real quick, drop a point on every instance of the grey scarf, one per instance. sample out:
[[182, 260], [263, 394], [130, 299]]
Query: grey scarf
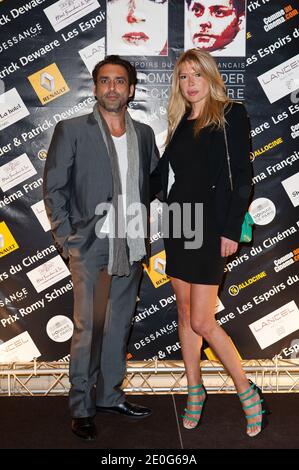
[[123, 250]]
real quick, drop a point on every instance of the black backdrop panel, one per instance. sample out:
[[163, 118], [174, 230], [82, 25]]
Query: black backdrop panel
[[47, 52]]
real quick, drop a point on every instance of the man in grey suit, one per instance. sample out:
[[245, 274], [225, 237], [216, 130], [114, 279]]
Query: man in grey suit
[[98, 165]]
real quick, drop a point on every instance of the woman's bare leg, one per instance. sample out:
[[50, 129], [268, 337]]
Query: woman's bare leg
[[202, 308], [191, 343]]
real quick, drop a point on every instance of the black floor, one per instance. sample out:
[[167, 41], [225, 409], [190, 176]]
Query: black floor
[[43, 423]]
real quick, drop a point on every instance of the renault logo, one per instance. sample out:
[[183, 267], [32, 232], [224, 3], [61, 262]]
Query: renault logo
[[47, 81], [159, 265]]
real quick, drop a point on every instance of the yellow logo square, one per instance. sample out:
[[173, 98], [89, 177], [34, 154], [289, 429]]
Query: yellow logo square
[[7, 241], [48, 83], [156, 269]]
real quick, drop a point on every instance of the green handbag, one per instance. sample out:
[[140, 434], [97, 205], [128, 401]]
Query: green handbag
[[246, 233], [248, 222]]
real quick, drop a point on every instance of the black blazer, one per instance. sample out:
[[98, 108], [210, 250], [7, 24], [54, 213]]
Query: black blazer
[[230, 206]]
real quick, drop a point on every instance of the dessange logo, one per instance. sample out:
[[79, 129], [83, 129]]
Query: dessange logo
[[11, 41], [14, 297]]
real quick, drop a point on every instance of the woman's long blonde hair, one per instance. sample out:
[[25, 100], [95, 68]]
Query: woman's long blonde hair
[[216, 101]]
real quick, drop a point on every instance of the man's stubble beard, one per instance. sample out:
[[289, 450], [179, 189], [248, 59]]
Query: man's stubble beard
[[112, 107]]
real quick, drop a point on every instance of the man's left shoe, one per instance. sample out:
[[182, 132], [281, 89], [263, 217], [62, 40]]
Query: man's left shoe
[[84, 428], [127, 409]]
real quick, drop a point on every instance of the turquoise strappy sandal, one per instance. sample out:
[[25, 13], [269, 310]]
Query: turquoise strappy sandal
[[195, 415], [255, 391]]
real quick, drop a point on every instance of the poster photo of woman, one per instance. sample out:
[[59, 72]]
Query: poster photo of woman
[[137, 27]]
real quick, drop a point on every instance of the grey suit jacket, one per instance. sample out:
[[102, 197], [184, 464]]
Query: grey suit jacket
[[77, 177]]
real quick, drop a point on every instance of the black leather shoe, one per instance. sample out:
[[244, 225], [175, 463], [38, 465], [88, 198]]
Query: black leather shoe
[[127, 409], [84, 428]]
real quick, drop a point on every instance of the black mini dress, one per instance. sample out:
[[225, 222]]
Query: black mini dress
[[188, 157]]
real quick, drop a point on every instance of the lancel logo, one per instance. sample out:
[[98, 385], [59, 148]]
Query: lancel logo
[[281, 73], [281, 80], [272, 321], [48, 83]]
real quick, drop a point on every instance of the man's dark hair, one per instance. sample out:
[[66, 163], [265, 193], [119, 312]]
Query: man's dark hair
[[116, 60], [238, 4]]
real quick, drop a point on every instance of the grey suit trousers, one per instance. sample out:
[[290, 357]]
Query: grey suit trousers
[[103, 309]]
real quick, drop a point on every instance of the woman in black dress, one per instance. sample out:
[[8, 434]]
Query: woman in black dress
[[199, 110]]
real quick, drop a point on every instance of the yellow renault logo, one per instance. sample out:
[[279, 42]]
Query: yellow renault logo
[[48, 83], [156, 269], [7, 241]]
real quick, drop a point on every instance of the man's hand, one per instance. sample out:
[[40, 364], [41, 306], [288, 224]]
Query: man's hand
[[228, 247]]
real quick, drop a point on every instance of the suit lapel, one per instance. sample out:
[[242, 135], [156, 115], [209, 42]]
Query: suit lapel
[[98, 143], [141, 153]]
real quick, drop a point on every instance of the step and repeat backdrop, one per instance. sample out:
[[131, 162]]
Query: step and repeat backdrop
[[47, 52]]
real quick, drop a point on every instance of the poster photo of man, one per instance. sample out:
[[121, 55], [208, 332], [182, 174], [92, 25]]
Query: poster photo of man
[[217, 26], [137, 27]]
